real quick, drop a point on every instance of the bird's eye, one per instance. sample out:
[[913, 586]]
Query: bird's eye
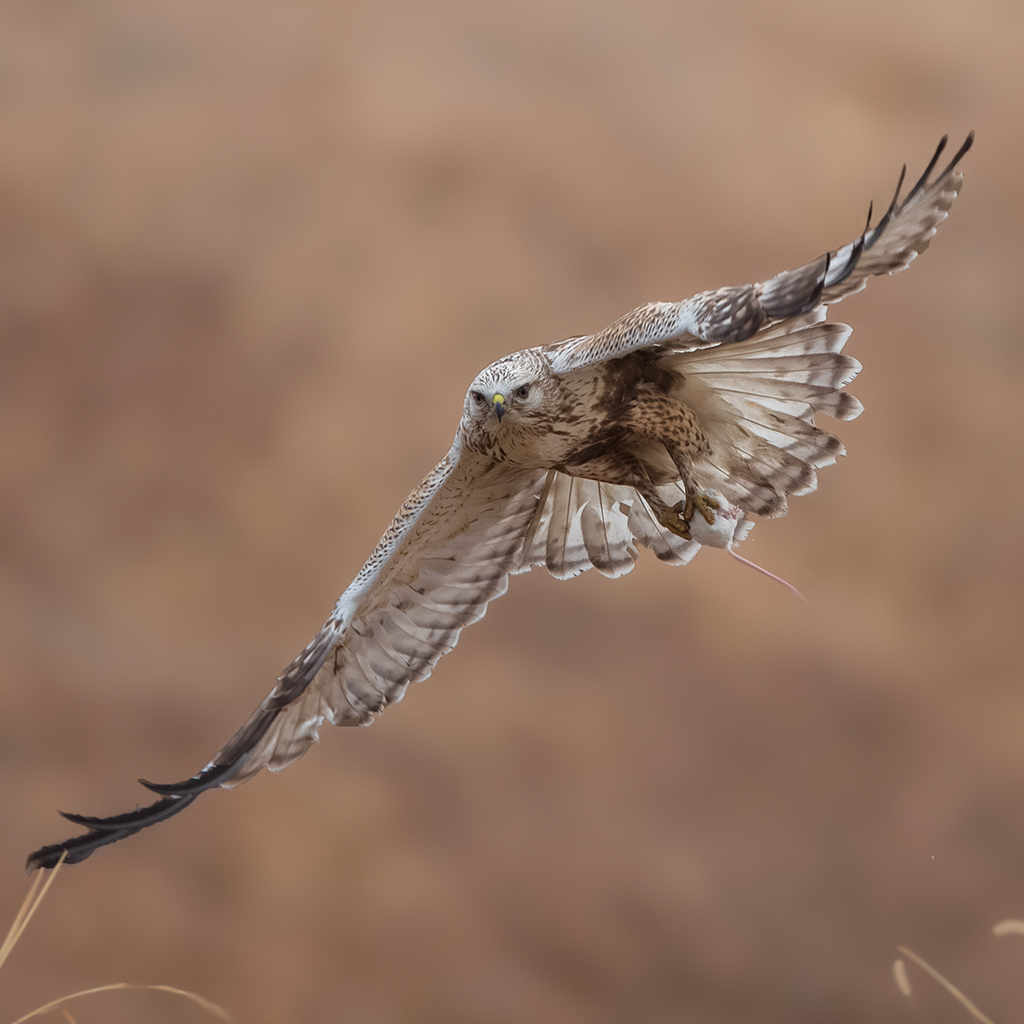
[[523, 391], [477, 397]]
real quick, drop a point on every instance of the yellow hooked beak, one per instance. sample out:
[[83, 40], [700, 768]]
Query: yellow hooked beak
[[498, 404]]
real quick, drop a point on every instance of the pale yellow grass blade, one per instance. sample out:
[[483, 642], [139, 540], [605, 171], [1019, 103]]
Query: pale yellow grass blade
[[37, 890], [212, 1008], [947, 985], [899, 975], [1010, 927]]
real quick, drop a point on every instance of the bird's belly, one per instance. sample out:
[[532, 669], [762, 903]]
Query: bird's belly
[[611, 454], [623, 459]]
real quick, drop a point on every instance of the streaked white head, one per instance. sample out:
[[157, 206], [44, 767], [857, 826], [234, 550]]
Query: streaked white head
[[514, 396]]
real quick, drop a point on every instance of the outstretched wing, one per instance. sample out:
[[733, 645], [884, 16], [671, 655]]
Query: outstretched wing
[[447, 553], [755, 363], [728, 315]]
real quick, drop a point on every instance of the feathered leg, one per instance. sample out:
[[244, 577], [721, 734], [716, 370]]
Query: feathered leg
[[658, 417], [696, 500]]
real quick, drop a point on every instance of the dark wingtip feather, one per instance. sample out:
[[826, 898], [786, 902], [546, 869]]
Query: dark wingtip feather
[[48, 857], [87, 821], [851, 264], [968, 142], [175, 797], [208, 778], [923, 180], [883, 223], [939, 150], [815, 295], [103, 831], [141, 817], [795, 292]]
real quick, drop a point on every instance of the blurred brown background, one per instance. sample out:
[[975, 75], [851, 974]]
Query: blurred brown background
[[252, 254]]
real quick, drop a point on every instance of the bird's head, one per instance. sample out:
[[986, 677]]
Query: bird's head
[[514, 387], [509, 401]]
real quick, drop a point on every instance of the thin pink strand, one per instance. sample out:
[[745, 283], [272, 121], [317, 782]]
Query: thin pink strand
[[770, 575]]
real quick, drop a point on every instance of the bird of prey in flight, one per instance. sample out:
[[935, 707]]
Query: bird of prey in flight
[[665, 430]]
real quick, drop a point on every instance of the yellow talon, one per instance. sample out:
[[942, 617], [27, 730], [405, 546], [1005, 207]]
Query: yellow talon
[[677, 518], [702, 504], [675, 523]]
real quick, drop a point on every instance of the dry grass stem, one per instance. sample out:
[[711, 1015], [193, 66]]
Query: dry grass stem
[[41, 883], [899, 975], [946, 984], [37, 890], [212, 1008], [1010, 927]]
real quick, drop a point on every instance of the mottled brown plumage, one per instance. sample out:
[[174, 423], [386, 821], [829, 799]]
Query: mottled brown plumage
[[664, 430]]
